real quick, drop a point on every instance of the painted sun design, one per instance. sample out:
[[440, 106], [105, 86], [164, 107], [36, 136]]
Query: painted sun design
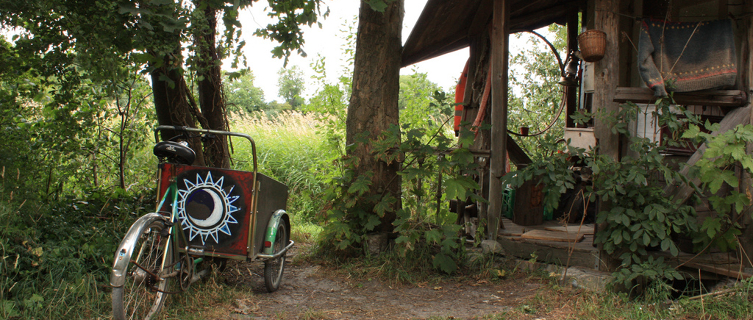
[[205, 209]]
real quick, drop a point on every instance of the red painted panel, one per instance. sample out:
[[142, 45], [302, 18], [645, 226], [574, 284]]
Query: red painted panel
[[213, 206]]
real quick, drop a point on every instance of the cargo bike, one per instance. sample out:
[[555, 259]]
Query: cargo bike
[[204, 213]]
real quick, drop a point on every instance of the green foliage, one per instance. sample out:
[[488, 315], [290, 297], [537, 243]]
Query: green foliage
[[637, 215], [291, 86], [535, 95], [379, 5], [287, 30], [716, 169], [555, 173], [242, 96], [423, 103], [57, 255], [424, 223]]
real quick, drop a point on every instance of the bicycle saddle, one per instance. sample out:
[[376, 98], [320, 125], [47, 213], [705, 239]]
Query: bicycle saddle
[[174, 152]]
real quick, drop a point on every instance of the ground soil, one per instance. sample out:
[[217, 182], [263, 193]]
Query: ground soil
[[319, 291]]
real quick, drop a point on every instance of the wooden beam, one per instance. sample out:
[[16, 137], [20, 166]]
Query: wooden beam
[[746, 82], [571, 93], [553, 236], [732, 271], [720, 98], [606, 75], [517, 155], [480, 23], [499, 67]]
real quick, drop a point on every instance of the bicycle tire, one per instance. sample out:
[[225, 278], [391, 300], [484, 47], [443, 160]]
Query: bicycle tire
[[142, 296], [274, 268]]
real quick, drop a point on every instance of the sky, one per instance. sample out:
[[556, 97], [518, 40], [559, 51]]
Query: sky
[[327, 41]]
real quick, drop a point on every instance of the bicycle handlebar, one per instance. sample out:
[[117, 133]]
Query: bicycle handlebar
[[218, 132]]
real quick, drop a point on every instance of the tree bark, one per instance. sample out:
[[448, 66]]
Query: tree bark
[[211, 99], [171, 103], [374, 100]]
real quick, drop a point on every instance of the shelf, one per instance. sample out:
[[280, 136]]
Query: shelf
[[720, 98]]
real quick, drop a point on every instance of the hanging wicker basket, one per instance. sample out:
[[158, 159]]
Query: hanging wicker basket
[[593, 44]]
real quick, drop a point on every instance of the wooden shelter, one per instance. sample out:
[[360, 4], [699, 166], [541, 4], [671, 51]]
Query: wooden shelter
[[485, 25]]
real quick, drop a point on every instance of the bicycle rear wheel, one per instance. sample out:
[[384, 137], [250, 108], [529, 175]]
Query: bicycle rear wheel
[[274, 268], [147, 278]]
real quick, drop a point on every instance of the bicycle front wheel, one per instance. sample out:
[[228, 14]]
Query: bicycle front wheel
[[146, 279]]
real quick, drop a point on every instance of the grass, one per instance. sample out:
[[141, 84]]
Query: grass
[[556, 302], [290, 150], [202, 299]]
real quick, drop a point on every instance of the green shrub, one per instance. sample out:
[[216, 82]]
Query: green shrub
[[58, 255]]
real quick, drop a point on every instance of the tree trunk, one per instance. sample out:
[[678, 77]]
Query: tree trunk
[[374, 100], [211, 98], [171, 102]]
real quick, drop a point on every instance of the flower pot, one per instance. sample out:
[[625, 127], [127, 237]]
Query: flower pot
[[593, 45]]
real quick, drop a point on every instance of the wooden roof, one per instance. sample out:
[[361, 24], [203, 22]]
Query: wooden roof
[[448, 25]]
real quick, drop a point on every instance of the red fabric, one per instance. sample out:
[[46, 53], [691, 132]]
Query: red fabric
[[460, 96]]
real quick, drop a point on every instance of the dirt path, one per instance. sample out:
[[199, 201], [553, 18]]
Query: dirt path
[[314, 292]]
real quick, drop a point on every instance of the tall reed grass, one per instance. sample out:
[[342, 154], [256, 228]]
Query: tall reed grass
[[289, 149]]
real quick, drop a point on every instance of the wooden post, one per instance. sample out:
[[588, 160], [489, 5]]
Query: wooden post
[[499, 66], [746, 70], [571, 104], [605, 84]]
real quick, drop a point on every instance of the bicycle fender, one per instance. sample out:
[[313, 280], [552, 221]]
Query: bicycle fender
[[271, 233], [122, 255]]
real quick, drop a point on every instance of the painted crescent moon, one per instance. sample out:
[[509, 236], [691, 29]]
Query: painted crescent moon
[[217, 211]]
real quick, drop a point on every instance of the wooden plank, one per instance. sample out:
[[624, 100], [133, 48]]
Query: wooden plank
[[499, 65], [511, 229], [553, 236], [517, 155], [585, 229], [732, 271], [553, 252], [456, 21], [720, 98], [529, 204]]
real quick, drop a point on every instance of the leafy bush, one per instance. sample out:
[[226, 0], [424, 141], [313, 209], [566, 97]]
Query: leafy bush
[[717, 168], [433, 173], [59, 254], [637, 216]]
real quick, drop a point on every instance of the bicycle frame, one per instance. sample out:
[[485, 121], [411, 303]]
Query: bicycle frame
[[202, 212]]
